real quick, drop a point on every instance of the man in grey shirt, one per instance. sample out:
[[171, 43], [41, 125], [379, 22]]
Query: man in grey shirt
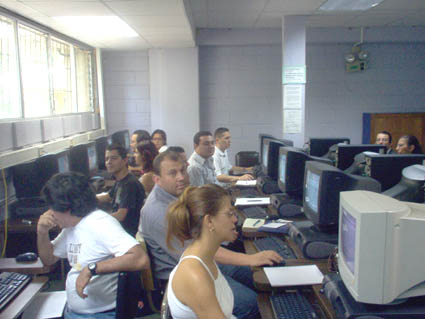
[[171, 178], [201, 163]]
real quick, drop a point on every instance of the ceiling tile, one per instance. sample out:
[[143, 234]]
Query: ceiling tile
[[373, 19], [306, 6], [156, 21], [147, 7], [69, 8]]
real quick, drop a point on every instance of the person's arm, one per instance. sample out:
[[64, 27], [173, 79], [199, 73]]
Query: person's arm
[[104, 198], [230, 179], [194, 287], [134, 259], [267, 257], [120, 214], [44, 246]]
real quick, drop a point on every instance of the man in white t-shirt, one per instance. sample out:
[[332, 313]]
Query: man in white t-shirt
[[94, 242], [221, 160]]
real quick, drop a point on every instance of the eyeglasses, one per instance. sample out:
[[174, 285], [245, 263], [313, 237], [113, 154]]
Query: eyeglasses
[[231, 214]]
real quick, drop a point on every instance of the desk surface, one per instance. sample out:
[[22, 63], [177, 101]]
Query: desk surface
[[18, 305], [31, 268]]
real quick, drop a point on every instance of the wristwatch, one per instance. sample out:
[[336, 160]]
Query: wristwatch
[[92, 267]]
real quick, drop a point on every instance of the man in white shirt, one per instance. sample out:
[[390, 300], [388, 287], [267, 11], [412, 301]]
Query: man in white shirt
[[221, 160], [201, 164], [95, 244]]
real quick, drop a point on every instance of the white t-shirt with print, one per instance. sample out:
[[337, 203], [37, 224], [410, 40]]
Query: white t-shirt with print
[[98, 236]]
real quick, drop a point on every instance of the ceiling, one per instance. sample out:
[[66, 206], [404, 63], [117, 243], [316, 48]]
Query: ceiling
[[172, 23]]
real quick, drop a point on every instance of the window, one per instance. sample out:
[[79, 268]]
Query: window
[[9, 75], [46, 74]]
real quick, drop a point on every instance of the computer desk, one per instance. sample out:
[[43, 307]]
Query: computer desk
[[23, 299]]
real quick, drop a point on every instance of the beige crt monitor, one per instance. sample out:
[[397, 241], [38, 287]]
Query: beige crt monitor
[[381, 247]]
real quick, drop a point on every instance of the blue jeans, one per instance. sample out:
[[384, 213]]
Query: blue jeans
[[241, 282], [101, 315]]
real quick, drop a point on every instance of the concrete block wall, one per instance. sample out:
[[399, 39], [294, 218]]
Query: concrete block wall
[[126, 89], [240, 89], [336, 100]]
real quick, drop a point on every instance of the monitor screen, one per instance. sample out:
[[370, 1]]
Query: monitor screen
[[101, 143], [79, 160], [348, 238], [122, 138], [63, 163], [265, 154], [91, 152], [282, 168], [380, 259], [312, 190]]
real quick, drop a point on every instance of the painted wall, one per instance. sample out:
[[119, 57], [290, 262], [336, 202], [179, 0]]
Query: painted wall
[[240, 89], [126, 90]]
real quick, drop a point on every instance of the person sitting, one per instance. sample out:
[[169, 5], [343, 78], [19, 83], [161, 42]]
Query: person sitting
[[221, 160], [408, 144], [385, 138], [196, 287], [159, 139], [127, 195], [145, 154], [95, 244], [201, 168], [137, 137]]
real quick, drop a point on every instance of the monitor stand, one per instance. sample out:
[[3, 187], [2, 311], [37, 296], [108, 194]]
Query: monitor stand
[[286, 206], [267, 186], [346, 307], [313, 243]]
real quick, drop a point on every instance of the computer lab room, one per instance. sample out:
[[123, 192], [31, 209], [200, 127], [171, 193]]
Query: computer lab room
[[307, 89]]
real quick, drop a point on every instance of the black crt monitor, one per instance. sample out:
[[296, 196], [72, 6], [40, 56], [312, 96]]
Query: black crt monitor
[[319, 146], [79, 159], [122, 138], [345, 153], [291, 170], [387, 168], [322, 185], [263, 148], [109, 139], [101, 143], [273, 158], [92, 155], [51, 164], [411, 186], [63, 161], [27, 180]]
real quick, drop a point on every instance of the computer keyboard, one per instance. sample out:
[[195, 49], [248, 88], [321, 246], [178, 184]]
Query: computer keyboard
[[292, 305], [276, 244], [248, 192], [254, 212], [11, 283]]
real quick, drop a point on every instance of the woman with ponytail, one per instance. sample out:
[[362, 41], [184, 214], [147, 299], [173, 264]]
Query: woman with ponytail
[[196, 287]]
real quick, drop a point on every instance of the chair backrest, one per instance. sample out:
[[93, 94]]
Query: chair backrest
[[147, 276], [247, 158], [128, 294], [165, 310]]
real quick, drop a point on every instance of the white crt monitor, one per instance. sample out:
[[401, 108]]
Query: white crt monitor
[[381, 247]]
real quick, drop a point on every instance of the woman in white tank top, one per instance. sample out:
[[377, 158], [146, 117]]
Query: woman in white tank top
[[196, 287]]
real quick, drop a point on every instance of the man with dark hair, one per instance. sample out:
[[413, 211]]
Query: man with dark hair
[[180, 150], [171, 179], [159, 139], [221, 160], [94, 243], [201, 168], [385, 138], [127, 195], [137, 137]]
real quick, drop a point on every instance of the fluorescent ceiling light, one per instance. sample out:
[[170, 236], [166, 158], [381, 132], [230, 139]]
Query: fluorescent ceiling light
[[100, 27], [349, 5]]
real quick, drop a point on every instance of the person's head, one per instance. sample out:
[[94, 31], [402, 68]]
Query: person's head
[[69, 194], [204, 144], [137, 137], [145, 154], [159, 138], [384, 138], [202, 210], [222, 138], [116, 159], [408, 144], [180, 151], [170, 172]]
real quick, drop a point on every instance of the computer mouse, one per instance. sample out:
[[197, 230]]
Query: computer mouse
[[26, 257]]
